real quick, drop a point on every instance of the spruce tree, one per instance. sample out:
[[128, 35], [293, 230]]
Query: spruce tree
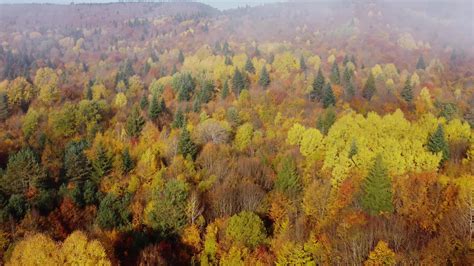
[[179, 119], [335, 75], [144, 101], [76, 164], [318, 85], [102, 165], [127, 162], [377, 189], [186, 146], [407, 92], [264, 79], [225, 90], [326, 120], [421, 63], [353, 150], [346, 60], [249, 66], [349, 90], [181, 57], [303, 66], [228, 61], [3, 106], [437, 143], [369, 88], [238, 82], [328, 98], [135, 123], [155, 109], [346, 76]]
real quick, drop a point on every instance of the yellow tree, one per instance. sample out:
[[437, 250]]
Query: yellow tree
[[78, 250], [37, 249], [46, 80], [381, 255]]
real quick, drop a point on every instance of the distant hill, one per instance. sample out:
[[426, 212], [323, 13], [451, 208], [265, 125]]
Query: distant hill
[[85, 15]]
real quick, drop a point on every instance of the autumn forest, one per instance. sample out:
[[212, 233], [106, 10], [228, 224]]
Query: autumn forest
[[328, 133]]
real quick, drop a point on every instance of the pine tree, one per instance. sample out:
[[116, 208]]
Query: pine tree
[[346, 60], [186, 146], [369, 88], [288, 180], [354, 150], [89, 92], [135, 123], [249, 66], [127, 162], [328, 97], [377, 190], [3, 106], [238, 82], [102, 165], [76, 164], [179, 119], [353, 60], [228, 61], [318, 85], [421, 63], [350, 90], [407, 92], [181, 57], [264, 79], [155, 109], [335, 75], [303, 66], [326, 120], [346, 76], [144, 101], [437, 143], [225, 90]]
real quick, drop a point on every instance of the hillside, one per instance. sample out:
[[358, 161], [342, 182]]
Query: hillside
[[328, 133]]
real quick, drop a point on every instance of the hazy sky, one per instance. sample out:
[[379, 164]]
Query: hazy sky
[[221, 4]]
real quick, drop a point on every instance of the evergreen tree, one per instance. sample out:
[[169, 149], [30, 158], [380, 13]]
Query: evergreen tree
[[346, 76], [225, 90], [76, 164], [328, 98], [135, 123], [3, 106], [350, 90], [207, 91], [346, 60], [23, 171], [353, 60], [197, 104], [89, 92], [288, 180], [184, 85], [238, 82], [318, 85], [186, 146], [354, 150], [181, 57], [335, 75], [326, 120], [144, 101], [102, 165], [179, 119], [437, 143], [303, 66], [228, 61], [114, 212], [407, 92], [421, 63], [377, 189], [127, 162], [155, 108], [264, 79], [369, 88], [249, 66]]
